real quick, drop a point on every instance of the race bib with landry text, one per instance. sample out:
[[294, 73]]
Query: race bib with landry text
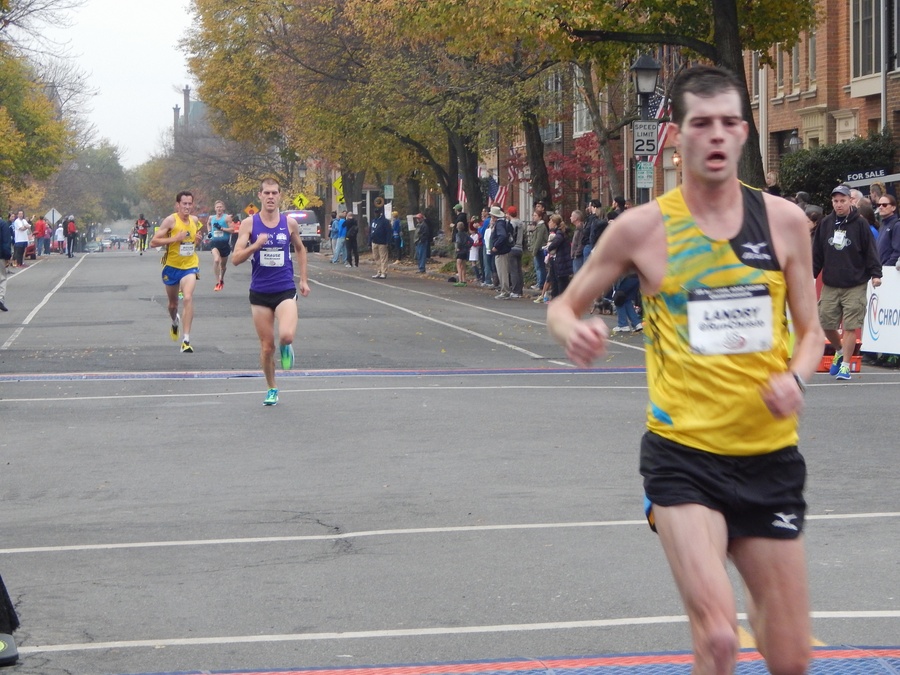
[[730, 319]]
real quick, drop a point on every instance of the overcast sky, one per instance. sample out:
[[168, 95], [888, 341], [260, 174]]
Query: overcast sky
[[128, 50]]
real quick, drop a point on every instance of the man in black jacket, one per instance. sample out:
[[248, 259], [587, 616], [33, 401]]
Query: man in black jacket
[[380, 238], [351, 241], [844, 251], [500, 248]]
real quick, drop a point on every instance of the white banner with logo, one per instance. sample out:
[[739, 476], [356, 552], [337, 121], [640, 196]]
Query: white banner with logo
[[881, 330]]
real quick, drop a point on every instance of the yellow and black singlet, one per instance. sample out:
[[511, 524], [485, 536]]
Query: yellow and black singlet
[[715, 332], [182, 255]]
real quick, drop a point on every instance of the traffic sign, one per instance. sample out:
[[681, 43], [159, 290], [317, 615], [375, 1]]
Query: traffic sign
[[251, 210], [643, 177], [52, 216], [300, 201], [646, 137], [339, 189], [388, 192]]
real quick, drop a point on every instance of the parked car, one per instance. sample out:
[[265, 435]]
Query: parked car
[[310, 228]]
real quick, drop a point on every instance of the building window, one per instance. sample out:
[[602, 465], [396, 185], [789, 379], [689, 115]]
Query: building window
[[795, 68], [865, 37], [552, 131], [581, 117], [754, 77], [811, 60], [779, 70]]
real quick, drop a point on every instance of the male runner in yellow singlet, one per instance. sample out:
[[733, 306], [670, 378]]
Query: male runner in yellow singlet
[[722, 474], [180, 235]]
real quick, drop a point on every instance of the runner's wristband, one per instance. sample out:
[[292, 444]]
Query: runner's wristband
[[800, 383]]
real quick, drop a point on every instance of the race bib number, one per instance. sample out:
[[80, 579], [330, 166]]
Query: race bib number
[[271, 258], [186, 249], [730, 320]]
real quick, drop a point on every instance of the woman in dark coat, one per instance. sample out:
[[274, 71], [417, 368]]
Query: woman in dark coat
[[560, 249]]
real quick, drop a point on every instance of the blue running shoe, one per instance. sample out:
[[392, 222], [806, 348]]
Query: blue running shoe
[[843, 372], [836, 365], [287, 357], [271, 397]]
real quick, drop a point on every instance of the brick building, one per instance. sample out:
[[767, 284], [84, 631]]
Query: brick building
[[828, 88]]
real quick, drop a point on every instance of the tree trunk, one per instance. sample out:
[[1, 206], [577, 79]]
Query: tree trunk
[[534, 145], [728, 45], [353, 184], [609, 161]]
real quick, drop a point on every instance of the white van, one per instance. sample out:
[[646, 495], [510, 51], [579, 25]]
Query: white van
[[310, 228]]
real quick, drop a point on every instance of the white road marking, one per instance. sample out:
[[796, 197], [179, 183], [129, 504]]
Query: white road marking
[[255, 392], [32, 313], [379, 533], [445, 324], [475, 307], [413, 632]]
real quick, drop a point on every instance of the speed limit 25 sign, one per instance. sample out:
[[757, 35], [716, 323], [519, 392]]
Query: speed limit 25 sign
[[646, 137]]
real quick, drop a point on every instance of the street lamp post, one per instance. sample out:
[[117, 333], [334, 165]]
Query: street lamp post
[[646, 71]]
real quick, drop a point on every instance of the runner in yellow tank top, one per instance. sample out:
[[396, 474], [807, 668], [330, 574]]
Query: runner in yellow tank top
[[180, 235], [182, 253], [716, 331], [723, 477]]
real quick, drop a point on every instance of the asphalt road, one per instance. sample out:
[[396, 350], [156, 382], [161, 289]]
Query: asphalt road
[[436, 484]]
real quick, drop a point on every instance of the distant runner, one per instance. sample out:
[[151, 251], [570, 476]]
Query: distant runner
[[180, 234], [141, 227], [219, 230]]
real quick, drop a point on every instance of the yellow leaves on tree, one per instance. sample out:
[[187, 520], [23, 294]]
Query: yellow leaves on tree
[[32, 139]]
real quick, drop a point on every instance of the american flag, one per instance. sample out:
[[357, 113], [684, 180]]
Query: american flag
[[493, 187], [661, 107], [500, 198], [512, 174]]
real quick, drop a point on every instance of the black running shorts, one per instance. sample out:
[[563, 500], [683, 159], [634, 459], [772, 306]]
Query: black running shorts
[[759, 495], [221, 245], [272, 300]]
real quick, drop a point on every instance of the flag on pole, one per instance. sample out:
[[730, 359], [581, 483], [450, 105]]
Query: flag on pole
[[493, 187], [661, 107]]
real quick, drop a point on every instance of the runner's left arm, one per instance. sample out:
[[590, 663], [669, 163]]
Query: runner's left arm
[[300, 250]]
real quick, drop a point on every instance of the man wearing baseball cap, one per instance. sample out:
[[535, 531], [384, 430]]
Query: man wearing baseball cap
[[844, 251]]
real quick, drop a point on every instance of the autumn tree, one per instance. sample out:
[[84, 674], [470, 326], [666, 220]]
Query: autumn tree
[[92, 185], [719, 31], [32, 139]]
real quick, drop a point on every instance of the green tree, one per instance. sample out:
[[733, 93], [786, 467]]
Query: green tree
[[91, 185], [32, 139]]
